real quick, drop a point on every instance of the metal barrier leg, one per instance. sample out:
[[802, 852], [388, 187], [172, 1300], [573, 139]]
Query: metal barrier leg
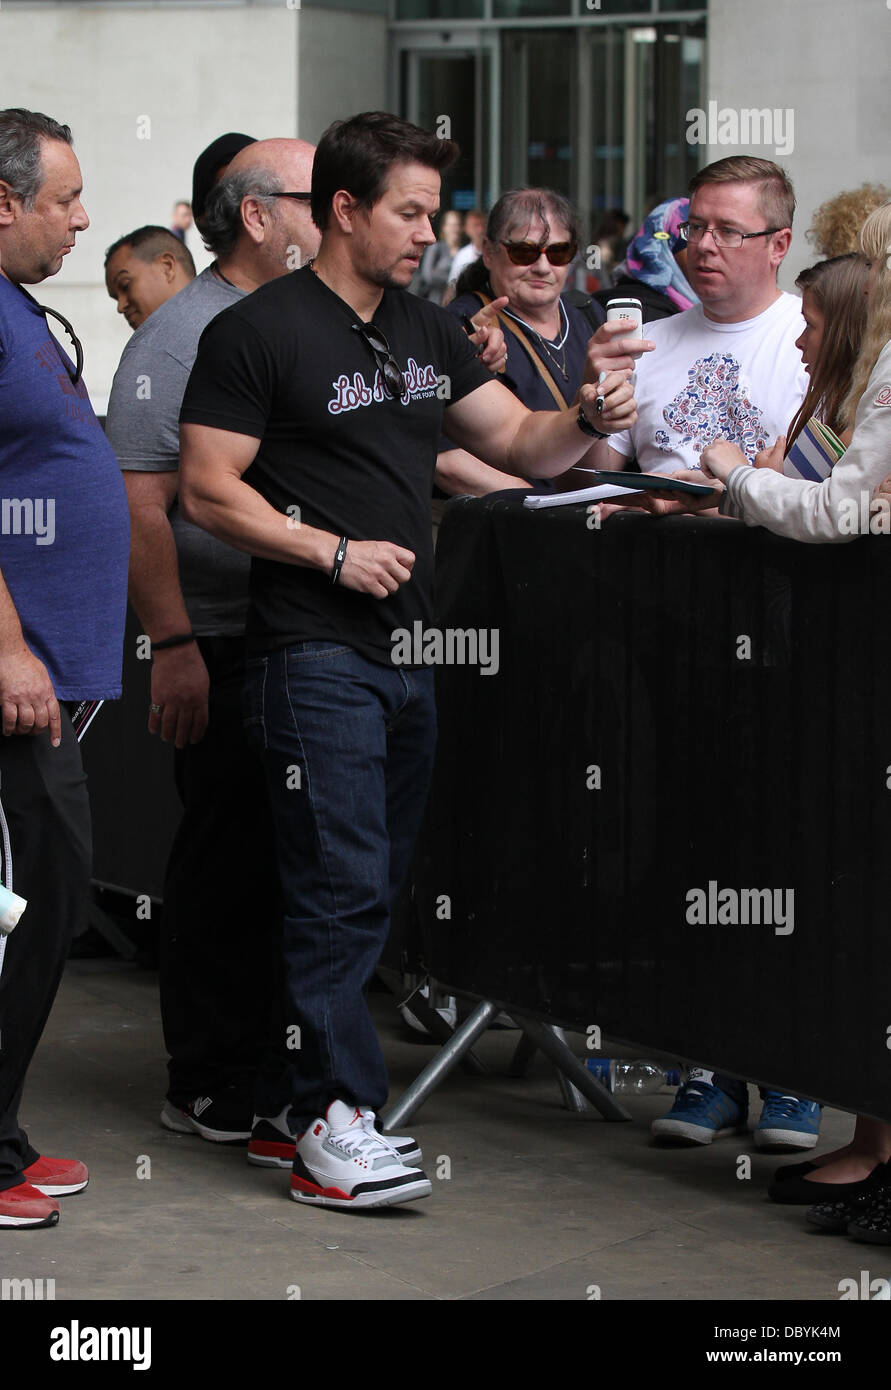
[[461, 1041], [543, 1035], [572, 1098], [435, 1024], [524, 1051]]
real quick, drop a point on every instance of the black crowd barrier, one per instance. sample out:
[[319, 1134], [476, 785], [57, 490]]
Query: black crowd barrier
[[685, 714]]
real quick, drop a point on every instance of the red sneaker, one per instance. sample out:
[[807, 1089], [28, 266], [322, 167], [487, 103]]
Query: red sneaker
[[57, 1177], [25, 1206]]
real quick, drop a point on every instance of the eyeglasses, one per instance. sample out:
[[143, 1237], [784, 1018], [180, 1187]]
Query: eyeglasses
[[722, 236], [527, 252], [301, 197], [387, 365], [78, 348]]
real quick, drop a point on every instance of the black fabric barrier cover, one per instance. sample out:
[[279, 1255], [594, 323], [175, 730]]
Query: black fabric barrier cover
[[734, 691]]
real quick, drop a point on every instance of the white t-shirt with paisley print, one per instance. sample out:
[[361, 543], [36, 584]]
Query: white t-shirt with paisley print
[[706, 381]]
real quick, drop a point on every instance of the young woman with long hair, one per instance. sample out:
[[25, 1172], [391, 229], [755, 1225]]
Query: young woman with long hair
[[833, 303], [850, 1187]]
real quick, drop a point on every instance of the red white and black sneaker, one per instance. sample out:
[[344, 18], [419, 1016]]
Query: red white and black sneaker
[[57, 1177], [339, 1162], [25, 1206], [271, 1144], [402, 1145], [220, 1119]]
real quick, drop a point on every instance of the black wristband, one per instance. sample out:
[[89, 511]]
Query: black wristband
[[179, 640], [339, 558], [587, 428]]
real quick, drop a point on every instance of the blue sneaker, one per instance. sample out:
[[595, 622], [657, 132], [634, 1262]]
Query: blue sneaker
[[787, 1122], [701, 1113]]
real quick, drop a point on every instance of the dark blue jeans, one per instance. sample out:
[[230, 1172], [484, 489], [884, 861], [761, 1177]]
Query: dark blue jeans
[[222, 1006], [347, 746]]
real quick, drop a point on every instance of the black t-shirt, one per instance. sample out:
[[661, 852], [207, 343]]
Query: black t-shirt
[[285, 365]]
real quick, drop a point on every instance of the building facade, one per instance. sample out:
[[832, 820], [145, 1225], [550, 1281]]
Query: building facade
[[592, 97]]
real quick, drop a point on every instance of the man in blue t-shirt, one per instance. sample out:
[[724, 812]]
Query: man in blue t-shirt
[[64, 542]]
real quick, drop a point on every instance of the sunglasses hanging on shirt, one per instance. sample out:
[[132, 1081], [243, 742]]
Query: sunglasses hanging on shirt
[[387, 365], [78, 347]]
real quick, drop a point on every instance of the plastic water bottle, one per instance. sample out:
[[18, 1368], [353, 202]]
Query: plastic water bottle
[[633, 1078]]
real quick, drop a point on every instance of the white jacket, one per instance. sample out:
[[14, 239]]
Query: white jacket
[[838, 508]]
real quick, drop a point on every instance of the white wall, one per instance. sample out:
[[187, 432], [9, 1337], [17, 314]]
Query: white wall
[[267, 70], [830, 64], [342, 66], [195, 73]]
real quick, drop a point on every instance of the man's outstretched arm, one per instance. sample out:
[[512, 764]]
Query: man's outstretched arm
[[494, 426]]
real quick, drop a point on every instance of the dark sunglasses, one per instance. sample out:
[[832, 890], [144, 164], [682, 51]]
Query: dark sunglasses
[[78, 348], [389, 368], [527, 253], [301, 197]]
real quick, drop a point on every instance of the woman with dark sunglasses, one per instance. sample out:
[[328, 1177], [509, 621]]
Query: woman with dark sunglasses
[[530, 245]]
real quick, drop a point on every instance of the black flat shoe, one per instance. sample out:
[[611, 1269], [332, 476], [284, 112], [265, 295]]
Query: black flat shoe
[[798, 1192], [837, 1215], [792, 1170]]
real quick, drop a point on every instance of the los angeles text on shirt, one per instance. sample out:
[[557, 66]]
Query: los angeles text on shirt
[[422, 382]]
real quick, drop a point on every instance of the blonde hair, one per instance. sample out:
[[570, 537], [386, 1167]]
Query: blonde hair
[[836, 224], [875, 240]]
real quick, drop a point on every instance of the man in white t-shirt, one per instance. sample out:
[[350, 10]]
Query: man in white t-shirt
[[727, 368]]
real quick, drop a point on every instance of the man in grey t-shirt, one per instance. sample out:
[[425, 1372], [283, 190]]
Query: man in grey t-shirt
[[144, 431], [220, 951]]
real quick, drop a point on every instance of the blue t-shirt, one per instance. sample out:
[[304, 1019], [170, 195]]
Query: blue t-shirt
[[64, 522]]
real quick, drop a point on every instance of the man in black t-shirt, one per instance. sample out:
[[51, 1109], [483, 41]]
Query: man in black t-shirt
[[309, 431]]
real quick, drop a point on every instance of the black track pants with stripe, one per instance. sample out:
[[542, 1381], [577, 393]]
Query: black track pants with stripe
[[46, 848]]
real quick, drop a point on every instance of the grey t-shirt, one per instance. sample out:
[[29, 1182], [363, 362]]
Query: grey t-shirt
[[143, 428]]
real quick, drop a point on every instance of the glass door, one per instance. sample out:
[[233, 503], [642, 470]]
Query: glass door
[[664, 78], [540, 110], [448, 85], [596, 111]]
